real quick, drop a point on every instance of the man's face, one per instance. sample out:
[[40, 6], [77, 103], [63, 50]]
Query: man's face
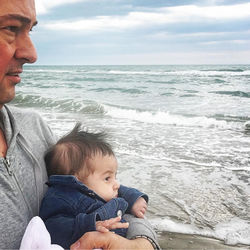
[[17, 17]]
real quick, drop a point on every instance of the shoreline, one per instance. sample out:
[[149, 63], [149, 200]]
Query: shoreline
[[179, 241]]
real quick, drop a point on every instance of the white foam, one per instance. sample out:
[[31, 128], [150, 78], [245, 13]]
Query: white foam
[[161, 117], [33, 70], [171, 226], [236, 231], [246, 168], [145, 72], [174, 73], [211, 164]]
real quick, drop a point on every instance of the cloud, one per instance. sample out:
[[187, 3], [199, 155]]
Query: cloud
[[222, 12], [44, 6], [180, 57], [160, 16], [205, 35], [240, 42]]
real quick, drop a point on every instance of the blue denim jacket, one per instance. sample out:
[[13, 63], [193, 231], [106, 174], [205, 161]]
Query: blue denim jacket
[[69, 209]]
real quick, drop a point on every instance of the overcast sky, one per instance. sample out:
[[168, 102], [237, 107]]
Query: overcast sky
[[104, 32]]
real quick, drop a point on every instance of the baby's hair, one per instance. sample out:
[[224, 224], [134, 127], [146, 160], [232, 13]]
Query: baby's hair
[[68, 156]]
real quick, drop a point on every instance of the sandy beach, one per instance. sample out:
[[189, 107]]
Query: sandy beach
[[177, 241]]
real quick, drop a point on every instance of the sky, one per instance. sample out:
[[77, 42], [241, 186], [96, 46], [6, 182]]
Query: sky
[[121, 32]]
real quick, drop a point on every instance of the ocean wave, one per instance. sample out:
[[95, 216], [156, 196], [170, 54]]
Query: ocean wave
[[65, 105], [167, 94], [96, 79], [225, 70], [212, 73], [39, 70], [247, 125], [122, 90], [163, 158], [167, 118], [174, 72], [135, 71], [120, 72], [246, 168], [234, 232], [233, 93], [232, 118], [219, 81], [188, 95], [119, 112]]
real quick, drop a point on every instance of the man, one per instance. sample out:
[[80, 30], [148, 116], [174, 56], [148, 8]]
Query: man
[[24, 137]]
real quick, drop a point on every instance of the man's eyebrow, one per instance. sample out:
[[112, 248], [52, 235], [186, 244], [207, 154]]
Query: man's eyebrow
[[20, 18]]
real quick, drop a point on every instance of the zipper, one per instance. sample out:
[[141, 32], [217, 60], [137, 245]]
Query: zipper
[[10, 172], [7, 165]]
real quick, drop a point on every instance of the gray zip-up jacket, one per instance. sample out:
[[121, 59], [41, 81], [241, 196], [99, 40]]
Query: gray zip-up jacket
[[22, 172]]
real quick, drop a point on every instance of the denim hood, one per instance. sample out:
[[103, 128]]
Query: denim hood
[[70, 181]]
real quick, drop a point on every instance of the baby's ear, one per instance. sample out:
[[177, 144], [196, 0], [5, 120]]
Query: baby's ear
[[36, 236]]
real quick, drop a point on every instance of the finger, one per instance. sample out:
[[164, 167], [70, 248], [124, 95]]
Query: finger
[[76, 245], [119, 225], [140, 214], [113, 220], [108, 223], [101, 229]]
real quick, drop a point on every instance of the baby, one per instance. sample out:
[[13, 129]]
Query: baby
[[84, 194]]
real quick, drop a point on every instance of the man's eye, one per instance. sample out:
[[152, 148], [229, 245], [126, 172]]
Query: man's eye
[[13, 29]]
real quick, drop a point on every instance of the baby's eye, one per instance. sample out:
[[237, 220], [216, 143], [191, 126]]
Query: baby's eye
[[107, 178]]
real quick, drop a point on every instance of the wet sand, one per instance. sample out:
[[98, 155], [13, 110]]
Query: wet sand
[[177, 241]]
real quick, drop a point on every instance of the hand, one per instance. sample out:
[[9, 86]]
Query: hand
[[109, 241], [139, 208], [113, 223]]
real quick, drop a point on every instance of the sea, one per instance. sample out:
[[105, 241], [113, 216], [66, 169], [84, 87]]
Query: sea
[[181, 134]]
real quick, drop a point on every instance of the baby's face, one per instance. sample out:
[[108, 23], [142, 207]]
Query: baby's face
[[103, 180]]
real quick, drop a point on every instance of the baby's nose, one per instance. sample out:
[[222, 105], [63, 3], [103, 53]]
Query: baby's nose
[[116, 185]]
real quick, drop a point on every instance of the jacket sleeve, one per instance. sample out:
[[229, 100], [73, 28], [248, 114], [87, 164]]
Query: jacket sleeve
[[110, 209], [65, 230], [141, 227], [66, 227], [63, 223], [131, 195]]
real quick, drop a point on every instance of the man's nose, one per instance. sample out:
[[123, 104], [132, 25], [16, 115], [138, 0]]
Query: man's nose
[[25, 49]]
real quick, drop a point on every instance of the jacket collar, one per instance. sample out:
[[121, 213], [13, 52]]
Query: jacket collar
[[68, 180], [11, 129], [72, 182]]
